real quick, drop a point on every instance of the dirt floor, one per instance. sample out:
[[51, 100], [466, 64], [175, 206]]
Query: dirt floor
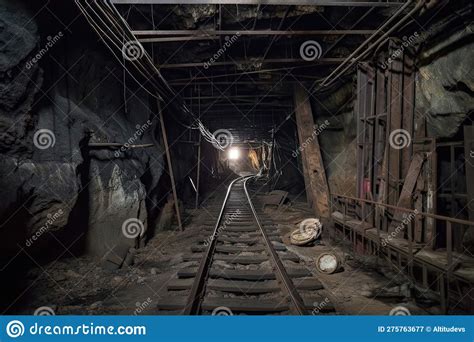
[[82, 286]]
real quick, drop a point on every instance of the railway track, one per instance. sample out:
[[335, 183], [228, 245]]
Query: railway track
[[244, 268]]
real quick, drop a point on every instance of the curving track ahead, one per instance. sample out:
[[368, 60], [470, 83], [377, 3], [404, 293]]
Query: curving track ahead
[[245, 268]]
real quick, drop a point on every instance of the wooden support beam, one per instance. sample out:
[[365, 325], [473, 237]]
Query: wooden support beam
[[315, 175], [198, 172], [469, 156], [212, 34], [170, 165], [315, 63], [406, 198]]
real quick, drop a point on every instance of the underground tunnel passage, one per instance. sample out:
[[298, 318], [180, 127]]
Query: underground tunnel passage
[[236, 157]]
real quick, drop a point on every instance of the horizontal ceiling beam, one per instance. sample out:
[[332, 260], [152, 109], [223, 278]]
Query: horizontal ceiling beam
[[211, 33], [316, 62], [191, 83], [350, 3], [223, 96]]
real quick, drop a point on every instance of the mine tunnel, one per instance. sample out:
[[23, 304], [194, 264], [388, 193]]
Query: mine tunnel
[[236, 157]]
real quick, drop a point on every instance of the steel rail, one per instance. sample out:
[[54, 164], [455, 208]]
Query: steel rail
[[193, 302], [287, 282]]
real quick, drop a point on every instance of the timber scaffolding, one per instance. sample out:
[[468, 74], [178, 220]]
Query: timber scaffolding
[[394, 213]]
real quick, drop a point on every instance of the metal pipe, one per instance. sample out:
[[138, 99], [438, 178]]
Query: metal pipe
[[118, 145], [337, 73], [406, 210]]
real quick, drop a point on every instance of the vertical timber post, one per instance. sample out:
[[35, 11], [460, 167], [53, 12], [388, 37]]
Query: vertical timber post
[[315, 175], [170, 165], [198, 172]]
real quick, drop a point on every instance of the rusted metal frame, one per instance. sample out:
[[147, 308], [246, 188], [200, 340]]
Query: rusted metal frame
[[285, 279], [408, 211], [365, 134], [380, 113], [197, 291], [449, 251], [469, 164], [431, 200], [358, 110], [395, 89], [408, 108], [170, 165]]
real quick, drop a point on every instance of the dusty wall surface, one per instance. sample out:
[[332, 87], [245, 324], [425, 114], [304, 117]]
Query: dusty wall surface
[[59, 91], [445, 84], [338, 139]]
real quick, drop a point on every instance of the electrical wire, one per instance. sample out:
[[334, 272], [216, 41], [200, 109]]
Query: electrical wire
[[115, 32]]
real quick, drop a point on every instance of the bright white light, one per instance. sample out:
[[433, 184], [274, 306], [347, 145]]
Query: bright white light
[[234, 153]]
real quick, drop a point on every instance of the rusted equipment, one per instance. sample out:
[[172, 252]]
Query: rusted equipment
[[329, 263], [309, 230], [403, 252], [275, 197]]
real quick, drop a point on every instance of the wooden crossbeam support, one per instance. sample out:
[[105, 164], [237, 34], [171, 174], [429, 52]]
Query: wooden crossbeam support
[[315, 63], [350, 3], [406, 195], [315, 176], [170, 165], [212, 34]]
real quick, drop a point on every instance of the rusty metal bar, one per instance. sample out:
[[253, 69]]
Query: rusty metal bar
[[411, 211]]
